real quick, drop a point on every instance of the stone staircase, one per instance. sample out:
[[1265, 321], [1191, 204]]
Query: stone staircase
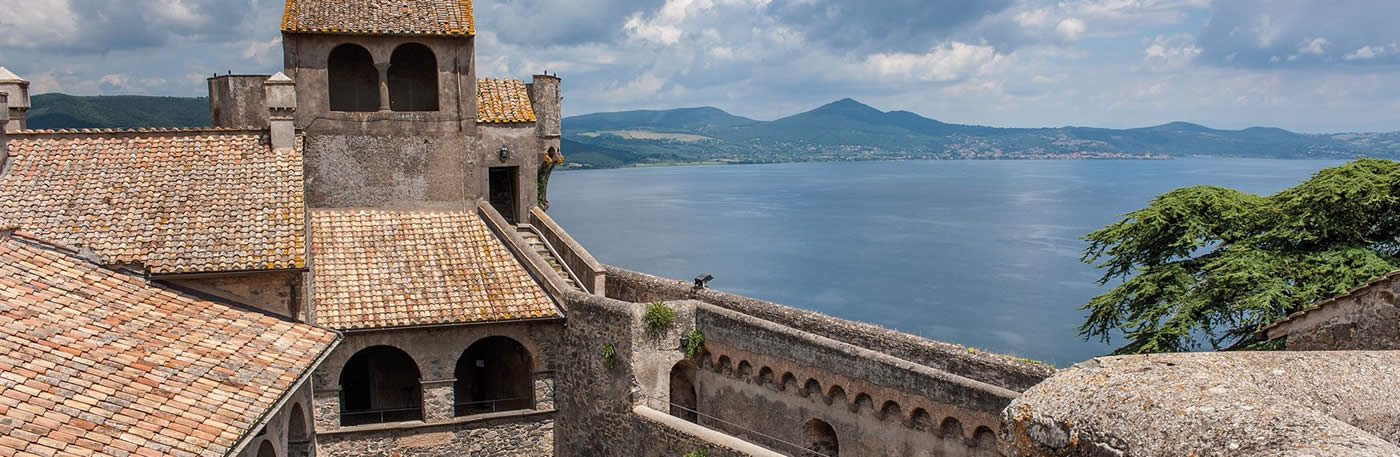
[[544, 250]]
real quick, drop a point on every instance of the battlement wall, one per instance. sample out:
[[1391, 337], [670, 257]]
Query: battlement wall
[[994, 369]]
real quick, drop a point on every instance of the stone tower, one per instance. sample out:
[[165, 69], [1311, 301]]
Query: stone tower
[[18, 90]]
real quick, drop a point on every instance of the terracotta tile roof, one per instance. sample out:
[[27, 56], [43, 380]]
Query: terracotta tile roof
[[96, 362], [173, 201], [377, 269], [380, 17], [503, 101]]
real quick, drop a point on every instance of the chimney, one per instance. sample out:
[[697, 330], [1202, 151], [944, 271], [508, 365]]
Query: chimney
[[18, 89], [545, 100], [281, 96], [4, 118]]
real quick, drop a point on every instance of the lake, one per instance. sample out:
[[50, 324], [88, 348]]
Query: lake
[[980, 253]]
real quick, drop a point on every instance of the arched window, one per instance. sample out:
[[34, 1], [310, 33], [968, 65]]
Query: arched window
[[493, 375], [820, 439], [413, 79], [380, 384], [685, 401], [298, 434], [352, 79], [267, 449]]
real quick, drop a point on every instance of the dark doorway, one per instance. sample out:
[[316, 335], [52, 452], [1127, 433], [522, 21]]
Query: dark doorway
[[821, 439], [685, 402], [503, 189], [413, 84], [380, 384], [493, 375]]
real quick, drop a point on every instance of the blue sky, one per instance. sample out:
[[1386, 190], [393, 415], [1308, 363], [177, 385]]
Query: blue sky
[[1312, 66]]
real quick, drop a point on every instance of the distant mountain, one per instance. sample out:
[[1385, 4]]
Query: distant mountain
[[849, 130], [61, 111]]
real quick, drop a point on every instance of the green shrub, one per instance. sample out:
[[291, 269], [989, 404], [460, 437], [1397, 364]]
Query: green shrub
[[694, 344], [659, 317], [696, 453], [609, 354]]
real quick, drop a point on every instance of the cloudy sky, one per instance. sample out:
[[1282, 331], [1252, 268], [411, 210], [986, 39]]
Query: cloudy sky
[[1314, 66]]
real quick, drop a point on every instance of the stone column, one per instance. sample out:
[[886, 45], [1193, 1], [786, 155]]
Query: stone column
[[544, 391], [438, 400], [383, 85], [326, 409]]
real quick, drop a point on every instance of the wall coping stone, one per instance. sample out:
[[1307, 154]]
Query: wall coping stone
[[705, 434], [416, 425]]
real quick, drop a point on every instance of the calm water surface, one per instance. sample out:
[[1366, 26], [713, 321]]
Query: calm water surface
[[981, 253]]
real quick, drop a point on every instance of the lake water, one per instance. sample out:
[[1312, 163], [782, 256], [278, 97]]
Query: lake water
[[981, 253]]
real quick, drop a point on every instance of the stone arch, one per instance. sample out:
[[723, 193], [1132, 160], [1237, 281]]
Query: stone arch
[[267, 449], [951, 429], [765, 377], [811, 387], [788, 382], [413, 78], [352, 80], [921, 420], [985, 438], [836, 396], [685, 399], [493, 374], [380, 384], [745, 371], [298, 434], [891, 410], [725, 366], [820, 439], [863, 402]]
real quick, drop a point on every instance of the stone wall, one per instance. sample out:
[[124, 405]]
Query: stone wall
[[994, 369], [275, 292], [396, 172], [238, 101], [764, 378], [508, 435], [758, 384], [1366, 318]]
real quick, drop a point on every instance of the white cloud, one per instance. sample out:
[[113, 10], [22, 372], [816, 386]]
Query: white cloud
[[1369, 52], [1171, 51], [946, 62], [1313, 46], [1070, 29]]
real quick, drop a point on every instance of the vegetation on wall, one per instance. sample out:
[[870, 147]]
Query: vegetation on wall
[[696, 453], [693, 344], [659, 317], [609, 354], [1213, 266]]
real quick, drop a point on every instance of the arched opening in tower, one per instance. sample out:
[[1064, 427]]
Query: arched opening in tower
[[298, 434], [685, 401], [352, 79], [820, 439], [380, 384], [413, 79], [267, 449], [493, 374]]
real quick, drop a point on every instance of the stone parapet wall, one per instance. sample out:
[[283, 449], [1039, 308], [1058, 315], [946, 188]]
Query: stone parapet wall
[[986, 367], [528, 434]]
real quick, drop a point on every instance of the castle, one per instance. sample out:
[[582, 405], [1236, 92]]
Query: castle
[[355, 260]]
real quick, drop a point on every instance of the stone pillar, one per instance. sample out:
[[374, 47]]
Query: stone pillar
[[280, 93], [439, 400], [326, 409], [383, 85], [544, 391]]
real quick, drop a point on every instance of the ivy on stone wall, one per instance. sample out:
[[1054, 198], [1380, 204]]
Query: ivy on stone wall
[[609, 354], [696, 453], [693, 344]]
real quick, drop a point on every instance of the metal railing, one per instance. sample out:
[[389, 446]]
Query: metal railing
[[491, 406], [379, 416], [802, 451]]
